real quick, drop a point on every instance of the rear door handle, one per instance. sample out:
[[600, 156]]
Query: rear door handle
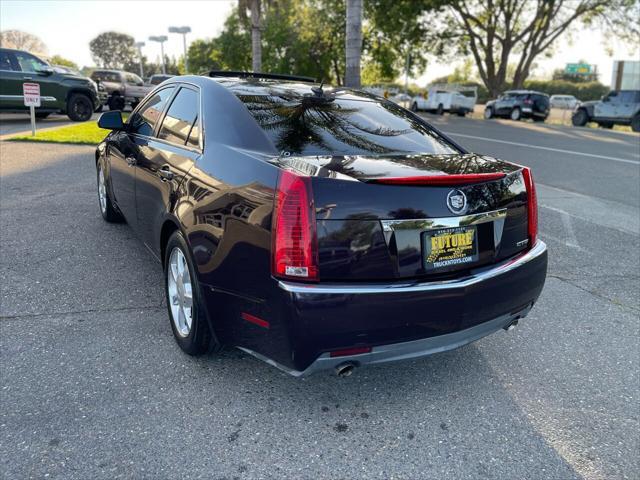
[[165, 173], [131, 161]]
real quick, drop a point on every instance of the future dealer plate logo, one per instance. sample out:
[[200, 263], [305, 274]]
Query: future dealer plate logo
[[457, 202]]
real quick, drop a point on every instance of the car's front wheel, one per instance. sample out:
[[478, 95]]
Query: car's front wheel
[[184, 299], [108, 211], [580, 118], [488, 113], [79, 108]]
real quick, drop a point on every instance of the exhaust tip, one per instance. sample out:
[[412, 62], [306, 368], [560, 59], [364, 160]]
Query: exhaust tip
[[511, 326], [345, 369]]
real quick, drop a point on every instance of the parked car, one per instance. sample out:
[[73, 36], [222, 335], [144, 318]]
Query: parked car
[[447, 98], [123, 88], [317, 228], [565, 102], [158, 79], [518, 104], [68, 93], [616, 108]]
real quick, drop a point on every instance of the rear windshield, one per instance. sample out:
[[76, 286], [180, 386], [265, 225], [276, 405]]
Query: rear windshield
[[349, 125]]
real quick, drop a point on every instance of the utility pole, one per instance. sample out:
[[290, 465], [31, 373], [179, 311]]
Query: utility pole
[[183, 31], [160, 39], [139, 46]]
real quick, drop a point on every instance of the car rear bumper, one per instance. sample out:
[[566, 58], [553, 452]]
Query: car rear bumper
[[408, 320]]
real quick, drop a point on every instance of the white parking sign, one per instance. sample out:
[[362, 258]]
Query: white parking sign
[[31, 93]]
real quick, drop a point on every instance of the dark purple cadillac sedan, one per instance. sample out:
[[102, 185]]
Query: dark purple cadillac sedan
[[318, 228]]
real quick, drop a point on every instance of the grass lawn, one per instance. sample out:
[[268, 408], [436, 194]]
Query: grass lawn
[[86, 133]]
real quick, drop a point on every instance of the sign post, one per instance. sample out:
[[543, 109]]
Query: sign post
[[31, 95]]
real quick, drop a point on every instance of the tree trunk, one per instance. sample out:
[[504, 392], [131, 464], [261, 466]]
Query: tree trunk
[[353, 43], [256, 40]]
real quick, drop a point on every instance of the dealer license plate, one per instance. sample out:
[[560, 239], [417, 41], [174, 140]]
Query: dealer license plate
[[450, 247]]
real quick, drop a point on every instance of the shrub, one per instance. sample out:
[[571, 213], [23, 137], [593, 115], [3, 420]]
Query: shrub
[[583, 91]]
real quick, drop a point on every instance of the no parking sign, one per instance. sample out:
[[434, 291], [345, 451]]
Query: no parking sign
[[31, 95]]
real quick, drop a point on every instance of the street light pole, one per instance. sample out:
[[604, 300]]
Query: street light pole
[[183, 31], [139, 46], [160, 39]]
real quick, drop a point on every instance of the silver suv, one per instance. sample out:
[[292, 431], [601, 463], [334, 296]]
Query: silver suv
[[621, 107]]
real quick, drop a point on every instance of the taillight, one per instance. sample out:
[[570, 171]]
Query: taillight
[[294, 249], [532, 205]]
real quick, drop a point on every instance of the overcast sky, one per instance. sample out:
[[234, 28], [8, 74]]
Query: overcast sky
[[67, 27]]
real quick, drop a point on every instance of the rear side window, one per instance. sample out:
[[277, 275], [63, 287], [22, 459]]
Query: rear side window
[[180, 124], [8, 62], [349, 125], [144, 120]]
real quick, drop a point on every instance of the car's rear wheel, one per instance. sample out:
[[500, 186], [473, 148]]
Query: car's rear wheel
[[440, 110], [488, 113], [79, 108], [414, 107], [580, 118], [108, 211], [516, 115], [184, 299], [116, 102], [635, 123]]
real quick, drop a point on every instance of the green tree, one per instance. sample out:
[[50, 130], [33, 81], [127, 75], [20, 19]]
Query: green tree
[[113, 50], [22, 41], [498, 32], [59, 60]]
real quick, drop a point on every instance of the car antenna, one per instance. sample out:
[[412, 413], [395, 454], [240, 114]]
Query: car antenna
[[318, 90]]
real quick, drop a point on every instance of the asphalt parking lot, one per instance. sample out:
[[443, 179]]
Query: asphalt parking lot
[[93, 385]]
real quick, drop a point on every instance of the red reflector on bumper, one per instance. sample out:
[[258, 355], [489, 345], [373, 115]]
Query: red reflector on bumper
[[350, 351], [255, 320], [440, 180]]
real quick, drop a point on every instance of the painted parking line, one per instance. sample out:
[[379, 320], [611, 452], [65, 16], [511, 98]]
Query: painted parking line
[[558, 150]]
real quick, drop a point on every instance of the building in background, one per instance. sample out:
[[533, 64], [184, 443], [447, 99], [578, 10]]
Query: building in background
[[626, 75]]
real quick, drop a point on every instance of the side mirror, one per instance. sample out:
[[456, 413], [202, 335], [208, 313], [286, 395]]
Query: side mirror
[[46, 71], [111, 121]]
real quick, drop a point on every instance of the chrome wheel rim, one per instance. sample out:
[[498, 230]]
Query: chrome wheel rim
[[515, 115], [487, 114], [180, 292], [102, 191]]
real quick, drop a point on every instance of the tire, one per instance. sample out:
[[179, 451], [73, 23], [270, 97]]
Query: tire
[[42, 115], [580, 118], [488, 113], [179, 271], [607, 125], [461, 113], [108, 211], [116, 102], [440, 110], [635, 123], [79, 107], [515, 115], [539, 119], [414, 107]]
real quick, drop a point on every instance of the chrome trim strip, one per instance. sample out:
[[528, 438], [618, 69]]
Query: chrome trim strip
[[444, 222], [20, 97], [350, 289]]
